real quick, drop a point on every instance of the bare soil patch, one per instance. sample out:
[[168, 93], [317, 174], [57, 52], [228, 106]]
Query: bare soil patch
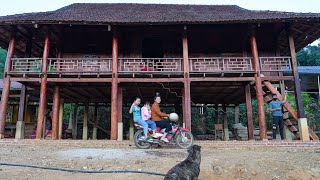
[[228, 163]]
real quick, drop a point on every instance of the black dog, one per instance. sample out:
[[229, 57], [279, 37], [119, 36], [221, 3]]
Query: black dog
[[188, 169]]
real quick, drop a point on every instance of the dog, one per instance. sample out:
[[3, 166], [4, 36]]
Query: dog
[[188, 169]]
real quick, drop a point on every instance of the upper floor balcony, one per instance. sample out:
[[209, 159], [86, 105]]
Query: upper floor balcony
[[147, 66]]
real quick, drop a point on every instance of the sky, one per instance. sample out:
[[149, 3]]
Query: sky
[[9, 7]]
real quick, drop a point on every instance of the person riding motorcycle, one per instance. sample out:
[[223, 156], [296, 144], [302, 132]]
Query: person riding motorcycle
[[158, 117]]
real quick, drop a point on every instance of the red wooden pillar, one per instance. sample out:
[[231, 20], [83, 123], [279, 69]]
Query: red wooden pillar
[[43, 89], [259, 92], [187, 94], [55, 113], [114, 87], [297, 86], [249, 112], [6, 86]]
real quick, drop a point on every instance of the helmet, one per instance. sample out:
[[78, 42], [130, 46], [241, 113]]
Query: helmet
[[173, 117]]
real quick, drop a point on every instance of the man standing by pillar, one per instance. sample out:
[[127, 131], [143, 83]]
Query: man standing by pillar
[[276, 109]]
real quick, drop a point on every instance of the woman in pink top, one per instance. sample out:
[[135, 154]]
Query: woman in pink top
[[146, 116]]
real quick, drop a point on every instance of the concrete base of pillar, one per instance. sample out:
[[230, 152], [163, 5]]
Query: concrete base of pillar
[[226, 134], [120, 131], [303, 129], [1, 136], [288, 135], [94, 134], [19, 130], [85, 133], [131, 133]]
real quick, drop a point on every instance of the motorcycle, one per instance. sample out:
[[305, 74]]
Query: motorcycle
[[178, 135]]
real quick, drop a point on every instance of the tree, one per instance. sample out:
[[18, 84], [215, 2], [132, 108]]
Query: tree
[[3, 54], [309, 56]]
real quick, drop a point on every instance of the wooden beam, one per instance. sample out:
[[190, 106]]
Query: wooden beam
[[122, 80], [22, 103], [186, 82], [297, 85], [95, 122], [43, 89], [120, 108], [249, 113], [258, 82], [55, 113], [81, 80], [219, 79], [114, 88], [277, 78], [85, 122], [75, 122], [6, 86]]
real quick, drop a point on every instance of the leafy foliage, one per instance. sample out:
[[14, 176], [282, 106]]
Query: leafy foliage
[[3, 54], [309, 56]]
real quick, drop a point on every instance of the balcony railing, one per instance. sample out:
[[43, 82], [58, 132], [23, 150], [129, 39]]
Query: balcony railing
[[270, 64], [93, 66], [220, 64], [26, 65], [150, 65], [79, 65]]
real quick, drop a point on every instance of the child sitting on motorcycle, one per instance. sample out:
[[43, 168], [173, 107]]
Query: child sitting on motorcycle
[[136, 111], [146, 116], [158, 117]]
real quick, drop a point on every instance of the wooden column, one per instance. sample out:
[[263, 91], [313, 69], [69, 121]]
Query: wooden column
[[22, 112], [236, 114], [61, 108], [297, 86], [43, 89], [55, 113], [259, 92], [120, 123], [75, 123], [187, 94], [6, 86], [225, 123], [23, 106], [216, 114], [85, 122], [249, 112], [183, 109], [114, 88], [95, 122], [302, 121]]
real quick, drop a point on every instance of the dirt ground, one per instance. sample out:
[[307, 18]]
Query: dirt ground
[[228, 163]]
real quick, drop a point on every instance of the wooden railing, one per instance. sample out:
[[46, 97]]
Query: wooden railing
[[220, 64], [270, 64], [149, 65], [79, 65], [26, 65]]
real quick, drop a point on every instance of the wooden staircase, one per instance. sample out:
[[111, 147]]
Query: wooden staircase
[[289, 109]]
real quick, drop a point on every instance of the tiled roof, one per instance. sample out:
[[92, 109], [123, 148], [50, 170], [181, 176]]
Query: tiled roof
[[153, 13]]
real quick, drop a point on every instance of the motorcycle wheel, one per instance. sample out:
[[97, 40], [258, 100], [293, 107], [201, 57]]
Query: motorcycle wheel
[[184, 140], [140, 144]]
